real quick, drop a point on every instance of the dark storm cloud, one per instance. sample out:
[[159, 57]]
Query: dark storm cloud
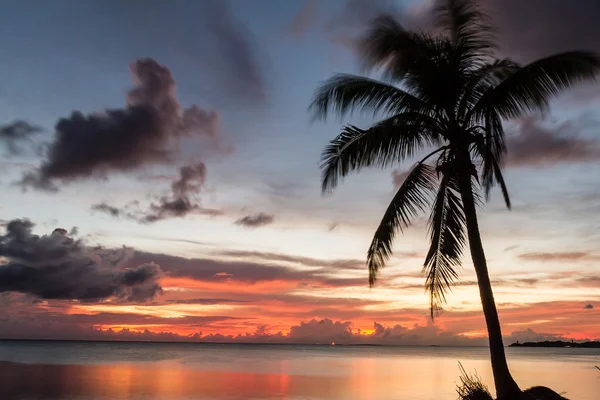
[[57, 267], [256, 220], [542, 143], [148, 130], [182, 201], [17, 137]]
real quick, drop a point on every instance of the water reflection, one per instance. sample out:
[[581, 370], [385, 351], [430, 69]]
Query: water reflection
[[370, 379], [323, 376]]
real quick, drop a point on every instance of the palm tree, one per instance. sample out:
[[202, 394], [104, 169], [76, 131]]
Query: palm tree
[[447, 92]]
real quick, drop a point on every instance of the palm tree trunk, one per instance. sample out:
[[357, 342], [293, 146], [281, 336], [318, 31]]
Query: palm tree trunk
[[506, 387]]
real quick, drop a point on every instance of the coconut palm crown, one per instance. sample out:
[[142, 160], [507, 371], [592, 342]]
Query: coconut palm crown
[[445, 92]]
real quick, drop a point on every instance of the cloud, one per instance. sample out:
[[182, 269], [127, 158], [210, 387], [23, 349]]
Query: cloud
[[146, 131], [333, 265], [247, 271], [16, 134], [542, 144], [323, 331], [87, 327], [588, 307], [346, 27], [333, 226], [572, 256], [236, 47], [131, 319], [108, 209], [557, 26], [398, 177], [347, 21], [304, 19], [529, 335], [182, 201], [205, 301], [57, 267], [256, 220]]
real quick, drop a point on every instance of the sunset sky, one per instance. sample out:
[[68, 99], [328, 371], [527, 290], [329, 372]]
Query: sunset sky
[[171, 145]]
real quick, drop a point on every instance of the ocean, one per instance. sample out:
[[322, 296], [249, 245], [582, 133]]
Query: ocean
[[43, 370]]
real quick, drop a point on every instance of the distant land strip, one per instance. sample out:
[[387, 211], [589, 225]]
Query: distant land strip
[[558, 343]]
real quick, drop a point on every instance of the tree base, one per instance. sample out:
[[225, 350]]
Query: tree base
[[474, 390], [541, 393]]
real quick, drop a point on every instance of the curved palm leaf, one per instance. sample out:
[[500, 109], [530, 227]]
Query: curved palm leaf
[[486, 76], [446, 229], [345, 93], [389, 45], [533, 86], [415, 59], [412, 198], [491, 170], [467, 25], [387, 142]]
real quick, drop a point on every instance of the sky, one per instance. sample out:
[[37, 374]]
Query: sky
[[160, 179]]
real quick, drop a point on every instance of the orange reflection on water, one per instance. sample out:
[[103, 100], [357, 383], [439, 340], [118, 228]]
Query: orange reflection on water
[[369, 377], [159, 381]]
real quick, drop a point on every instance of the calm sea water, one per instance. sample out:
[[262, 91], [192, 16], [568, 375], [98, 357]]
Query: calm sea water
[[156, 371]]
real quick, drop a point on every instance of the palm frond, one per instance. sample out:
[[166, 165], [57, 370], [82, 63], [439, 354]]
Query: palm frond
[[446, 229], [399, 53], [500, 180], [484, 77], [388, 43], [495, 149], [387, 142], [533, 86], [412, 198], [467, 25], [345, 93], [491, 172]]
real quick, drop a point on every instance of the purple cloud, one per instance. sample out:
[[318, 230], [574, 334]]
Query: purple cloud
[[57, 267], [256, 220], [146, 131], [540, 143]]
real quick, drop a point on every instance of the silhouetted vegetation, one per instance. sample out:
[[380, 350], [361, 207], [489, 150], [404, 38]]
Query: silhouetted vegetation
[[448, 92], [471, 388], [558, 343]]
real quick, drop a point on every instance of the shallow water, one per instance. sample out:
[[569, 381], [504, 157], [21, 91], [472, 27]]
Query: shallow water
[[177, 371]]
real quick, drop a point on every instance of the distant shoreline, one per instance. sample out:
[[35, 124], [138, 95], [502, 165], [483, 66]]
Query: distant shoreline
[[231, 343], [555, 344], [559, 343]]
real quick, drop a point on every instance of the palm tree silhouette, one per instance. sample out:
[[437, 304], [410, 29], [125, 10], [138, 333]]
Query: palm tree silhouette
[[447, 92]]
